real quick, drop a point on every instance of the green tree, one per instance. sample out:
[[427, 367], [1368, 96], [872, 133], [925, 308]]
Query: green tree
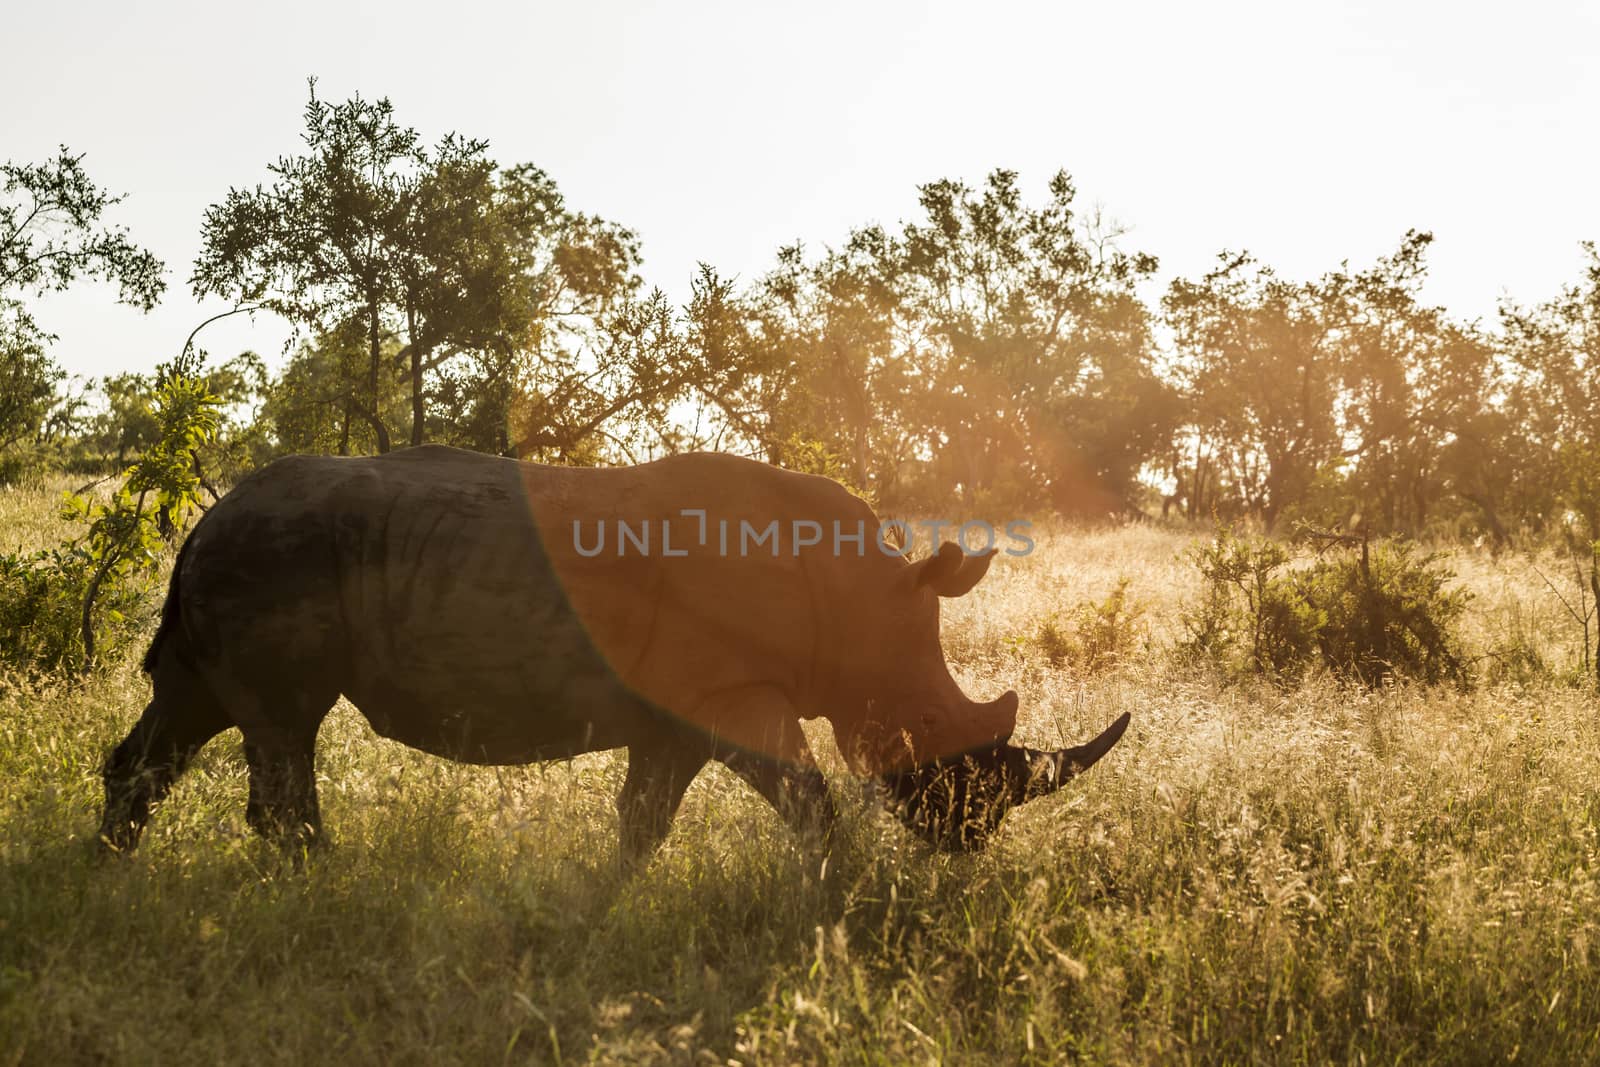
[[124, 426], [27, 384], [1037, 353], [821, 382], [491, 299], [158, 494], [1484, 457], [1555, 348], [127, 425], [989, 348], [52, 235], [1260, 379], [67, 606], [1334, 398], [1406, 371], [323, 245], [314, 404], [531, 319]]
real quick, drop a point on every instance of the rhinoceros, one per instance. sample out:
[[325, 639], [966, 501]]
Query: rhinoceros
[[694, 608]]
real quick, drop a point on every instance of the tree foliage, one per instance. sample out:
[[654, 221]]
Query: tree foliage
[[124, 535], [64, 608], [511, 323], [1261, 381], [52, 235], [990, 349], [1349, 400]]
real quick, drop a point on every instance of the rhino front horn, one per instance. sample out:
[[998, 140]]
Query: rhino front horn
[[1075, 761], [1064, 764]]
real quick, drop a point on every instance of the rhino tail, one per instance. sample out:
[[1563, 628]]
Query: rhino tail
[[169, 613]]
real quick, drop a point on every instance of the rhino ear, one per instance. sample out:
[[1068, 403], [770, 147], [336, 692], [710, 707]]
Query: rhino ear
[[950, 571]]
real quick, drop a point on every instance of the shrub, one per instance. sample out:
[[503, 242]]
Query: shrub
[[1516, 658], [1250, 617], [1094, 636], [23, 466], [1367, 616], [62, 606], [161, 491], [1387, 613], [41, 610], [1585, 558], [807, 455]]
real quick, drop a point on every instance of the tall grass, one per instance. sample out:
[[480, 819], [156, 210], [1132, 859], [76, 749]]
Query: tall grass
[[1255, 875]]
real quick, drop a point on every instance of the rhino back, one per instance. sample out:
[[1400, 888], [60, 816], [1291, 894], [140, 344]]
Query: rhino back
[[444, 593], [417, 584]]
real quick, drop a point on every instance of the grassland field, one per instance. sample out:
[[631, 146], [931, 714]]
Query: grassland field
[[1322, 874]]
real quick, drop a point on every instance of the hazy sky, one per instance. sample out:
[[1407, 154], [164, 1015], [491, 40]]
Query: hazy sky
[[1305, 133]]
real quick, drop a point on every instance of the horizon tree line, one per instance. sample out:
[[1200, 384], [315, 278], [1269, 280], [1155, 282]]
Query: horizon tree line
[[988, 350]]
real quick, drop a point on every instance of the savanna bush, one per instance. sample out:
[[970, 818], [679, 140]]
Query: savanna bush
[[1250, 618], [1387, 613], [61, 607], [22, 467], [1093, 636], [41, 610], [1367, 615], [1517, 657]]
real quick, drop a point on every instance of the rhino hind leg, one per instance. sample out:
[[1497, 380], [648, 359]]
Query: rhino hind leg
[[659, 772], [182, 716]]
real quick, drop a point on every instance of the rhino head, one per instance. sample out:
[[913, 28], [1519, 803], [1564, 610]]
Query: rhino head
[[945, 761], [955, 804]]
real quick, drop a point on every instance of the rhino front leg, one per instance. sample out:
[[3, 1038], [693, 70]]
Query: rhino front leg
[[283, 790], [792, 783], [280, 744], [658, 773], [177, 724], [757, 734]]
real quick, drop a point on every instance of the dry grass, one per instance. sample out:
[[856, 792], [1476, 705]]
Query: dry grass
[[1253, 876], [30, 518]]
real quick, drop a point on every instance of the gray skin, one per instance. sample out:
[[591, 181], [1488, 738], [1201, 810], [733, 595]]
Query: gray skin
[[443, 593]]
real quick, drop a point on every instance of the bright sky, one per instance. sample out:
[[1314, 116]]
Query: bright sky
[[1305, 133]]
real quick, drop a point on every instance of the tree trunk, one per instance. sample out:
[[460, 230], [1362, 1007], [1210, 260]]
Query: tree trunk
[[1497, 529], [1594, 589], [374, 344], [1275, 496], [418, 352], [416, 396], [502, 423]]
